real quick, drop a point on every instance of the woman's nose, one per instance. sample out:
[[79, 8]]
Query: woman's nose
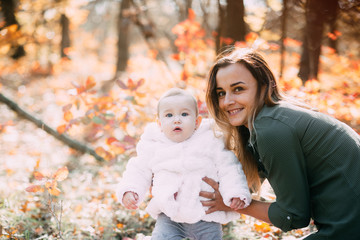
[[228, 99]]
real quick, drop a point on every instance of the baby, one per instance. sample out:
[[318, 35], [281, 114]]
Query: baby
[[173, 155]]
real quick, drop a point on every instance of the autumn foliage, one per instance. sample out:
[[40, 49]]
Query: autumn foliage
[[63, 194]]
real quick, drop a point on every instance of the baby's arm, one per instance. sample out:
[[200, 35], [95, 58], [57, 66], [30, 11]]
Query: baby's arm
[[237, 203], [130, 200]]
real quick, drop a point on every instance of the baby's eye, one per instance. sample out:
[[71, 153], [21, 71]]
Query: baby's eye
[[169, 115], [184, 114]]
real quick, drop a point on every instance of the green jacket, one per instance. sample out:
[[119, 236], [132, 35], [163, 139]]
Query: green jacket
[[312, 162]]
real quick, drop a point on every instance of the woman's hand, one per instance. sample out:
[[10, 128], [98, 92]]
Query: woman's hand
[[216, 201], [256, 209]]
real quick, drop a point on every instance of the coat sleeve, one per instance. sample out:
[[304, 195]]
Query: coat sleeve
[[137, 176], [282, 155], [232, 180]]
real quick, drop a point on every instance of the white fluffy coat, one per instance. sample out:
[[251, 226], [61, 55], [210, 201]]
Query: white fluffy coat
[[179, 168]]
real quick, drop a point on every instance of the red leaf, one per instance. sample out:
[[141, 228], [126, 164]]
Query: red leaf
[[34, 188]]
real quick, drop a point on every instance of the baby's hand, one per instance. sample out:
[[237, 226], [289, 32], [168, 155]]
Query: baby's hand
[[130, 200], [236, 204]]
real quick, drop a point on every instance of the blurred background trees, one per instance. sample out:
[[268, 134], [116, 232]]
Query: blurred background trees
[[49, 26]]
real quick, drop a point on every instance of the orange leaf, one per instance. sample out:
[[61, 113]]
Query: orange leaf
[[34, 188], [38, 175], [52, 188], [37, 163], [68, 116], [153, 53], [78, 208], [251, 37], [292, 42], [175, 57], [103, 153], [90, 82], [12, 28], [80, 89], [117, 148], [192, 14], [61, 174], [61, 129], [110, 140], [331, 36]]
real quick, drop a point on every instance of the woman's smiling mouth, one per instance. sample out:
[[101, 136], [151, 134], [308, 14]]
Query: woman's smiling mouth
[[234, 111]]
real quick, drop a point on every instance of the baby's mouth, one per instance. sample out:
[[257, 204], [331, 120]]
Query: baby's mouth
[[177, 129]]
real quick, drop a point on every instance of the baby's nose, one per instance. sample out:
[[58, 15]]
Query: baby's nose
[[177, 119]]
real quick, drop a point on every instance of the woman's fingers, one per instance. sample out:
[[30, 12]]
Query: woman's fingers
[[211, 182], [209, 195]]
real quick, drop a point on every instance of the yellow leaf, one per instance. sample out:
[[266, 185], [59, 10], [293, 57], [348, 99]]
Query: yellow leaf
[[61, 174], [262, 227]]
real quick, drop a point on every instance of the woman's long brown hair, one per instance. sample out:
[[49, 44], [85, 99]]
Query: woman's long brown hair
[[236, 137]]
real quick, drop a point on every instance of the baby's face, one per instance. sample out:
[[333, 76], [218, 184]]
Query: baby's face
[[177, 117]]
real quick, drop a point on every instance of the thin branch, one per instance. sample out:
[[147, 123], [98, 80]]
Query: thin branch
[[61, 137]]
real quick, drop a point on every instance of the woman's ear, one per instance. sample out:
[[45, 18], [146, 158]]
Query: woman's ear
[[198, 121]]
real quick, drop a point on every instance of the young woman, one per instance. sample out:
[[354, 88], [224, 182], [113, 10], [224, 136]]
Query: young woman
[[311, 160]]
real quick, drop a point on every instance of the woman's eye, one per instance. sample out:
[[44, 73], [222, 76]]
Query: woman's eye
[[238, 89], [220, 94], [184, 114], [168, 115]]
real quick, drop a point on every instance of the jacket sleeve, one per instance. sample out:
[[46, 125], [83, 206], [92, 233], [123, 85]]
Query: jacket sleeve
[[136, 178], [232, 180], [281, 153]]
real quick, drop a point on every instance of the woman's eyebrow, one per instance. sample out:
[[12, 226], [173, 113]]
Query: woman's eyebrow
[[234, 84]]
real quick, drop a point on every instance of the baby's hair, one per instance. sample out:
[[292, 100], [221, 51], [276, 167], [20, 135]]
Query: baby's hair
[[178, 92]]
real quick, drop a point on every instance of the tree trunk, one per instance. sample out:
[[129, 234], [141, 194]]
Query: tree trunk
[[8, 10], [283, 36], [232, 27], [65, 34], [235, 24], [123, 39], [183, 7], [220, 28], [331, 18], [317, 14]]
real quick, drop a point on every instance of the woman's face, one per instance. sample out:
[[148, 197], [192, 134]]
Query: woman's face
[[236, 90]]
